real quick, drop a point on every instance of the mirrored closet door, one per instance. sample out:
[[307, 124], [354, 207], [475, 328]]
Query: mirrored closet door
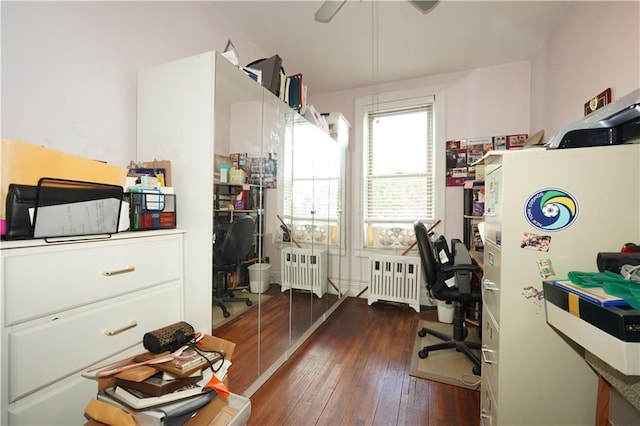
[[237, 150]]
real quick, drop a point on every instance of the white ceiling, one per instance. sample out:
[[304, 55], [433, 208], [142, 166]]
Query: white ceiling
[[373, 42]]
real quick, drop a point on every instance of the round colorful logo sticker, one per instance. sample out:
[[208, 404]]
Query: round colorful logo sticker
[[551, 209]]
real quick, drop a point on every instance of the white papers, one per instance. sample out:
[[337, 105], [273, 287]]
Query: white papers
[[231, 57], [81, 218], [481, 231], [123, 221], [222, 369]]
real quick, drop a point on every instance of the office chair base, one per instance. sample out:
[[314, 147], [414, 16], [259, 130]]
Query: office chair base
[[225, 312], [423, 332], [230, 298], [456, 342]]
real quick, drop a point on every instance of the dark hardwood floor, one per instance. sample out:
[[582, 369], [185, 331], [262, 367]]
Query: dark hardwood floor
[[273, 321], [354, 370]]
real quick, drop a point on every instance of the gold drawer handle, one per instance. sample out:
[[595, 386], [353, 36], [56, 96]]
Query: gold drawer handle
[[118, 271], [121, 329]]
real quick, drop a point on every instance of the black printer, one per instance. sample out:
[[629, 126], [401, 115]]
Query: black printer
[[613, 124]]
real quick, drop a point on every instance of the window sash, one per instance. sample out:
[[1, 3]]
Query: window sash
[[316, 198], [404, 193], [312, 190]]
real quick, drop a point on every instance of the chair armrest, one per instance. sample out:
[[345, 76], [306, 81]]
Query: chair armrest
[[464, 267], [462, 275]]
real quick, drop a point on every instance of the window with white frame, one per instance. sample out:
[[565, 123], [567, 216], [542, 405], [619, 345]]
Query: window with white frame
[[400, 163], [313, 186]]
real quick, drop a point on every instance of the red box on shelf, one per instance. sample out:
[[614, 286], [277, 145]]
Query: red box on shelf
[[151, 210], [516, 141]]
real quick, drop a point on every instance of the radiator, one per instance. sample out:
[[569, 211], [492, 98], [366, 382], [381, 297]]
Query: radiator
[[395, 279], [304, 269]]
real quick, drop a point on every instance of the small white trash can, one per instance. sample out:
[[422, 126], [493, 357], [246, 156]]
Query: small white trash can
[[445, 311], [259, 277]]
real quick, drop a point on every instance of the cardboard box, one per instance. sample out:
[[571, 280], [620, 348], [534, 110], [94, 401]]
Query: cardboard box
[[24, 163], [232, 411], [220, 160], [164, 165]]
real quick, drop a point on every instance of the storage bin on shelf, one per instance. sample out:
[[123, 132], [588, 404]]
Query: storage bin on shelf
[[151, 209]]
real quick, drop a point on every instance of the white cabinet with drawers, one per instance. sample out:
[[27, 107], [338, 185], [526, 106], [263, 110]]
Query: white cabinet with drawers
[[68, 306]]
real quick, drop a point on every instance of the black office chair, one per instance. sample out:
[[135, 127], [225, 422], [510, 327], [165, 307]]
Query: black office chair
[[439, 265], [227, 255]]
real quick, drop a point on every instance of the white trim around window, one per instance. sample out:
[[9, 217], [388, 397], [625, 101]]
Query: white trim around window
[[389, 100]]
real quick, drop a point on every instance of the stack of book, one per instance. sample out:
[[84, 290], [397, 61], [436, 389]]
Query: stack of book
[[186, 367], [170, 408], [161, 393], [159, 389]]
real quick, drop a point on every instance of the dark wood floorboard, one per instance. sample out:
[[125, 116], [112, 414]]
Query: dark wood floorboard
[[354, 370], [273, 331]]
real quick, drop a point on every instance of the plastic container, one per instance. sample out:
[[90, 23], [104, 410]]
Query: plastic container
[[151, 209], [445, 311], [237, 177], [224, 173], [259, 277]]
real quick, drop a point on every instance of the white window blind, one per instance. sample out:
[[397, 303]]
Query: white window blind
[[312, 183], [399, 169]]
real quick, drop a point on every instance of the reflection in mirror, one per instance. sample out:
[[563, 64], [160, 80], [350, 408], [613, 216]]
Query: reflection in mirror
[[293, 186], [295, 256], [238, 126], [258, 134], [237, 152], [338, 128], [312, 206], [274, 333]]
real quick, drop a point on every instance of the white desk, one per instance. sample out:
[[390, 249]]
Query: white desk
[[617, 362]]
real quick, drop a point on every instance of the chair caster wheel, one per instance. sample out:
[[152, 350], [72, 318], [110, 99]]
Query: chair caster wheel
[[226, 314], [422, 332], [476, 371], [423, 354], [249, 302]]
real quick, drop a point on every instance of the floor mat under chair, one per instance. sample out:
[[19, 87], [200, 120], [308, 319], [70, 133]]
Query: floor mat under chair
[[235, 308], [446, 365]]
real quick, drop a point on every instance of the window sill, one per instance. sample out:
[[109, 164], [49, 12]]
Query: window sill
[[367, 252]]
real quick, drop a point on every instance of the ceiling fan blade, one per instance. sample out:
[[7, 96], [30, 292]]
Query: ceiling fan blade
[[424, 6], [328, 10]]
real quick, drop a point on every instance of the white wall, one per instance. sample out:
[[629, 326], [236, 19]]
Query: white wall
[[482, 102], [69, 76], [595, 47], [69, 69]]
